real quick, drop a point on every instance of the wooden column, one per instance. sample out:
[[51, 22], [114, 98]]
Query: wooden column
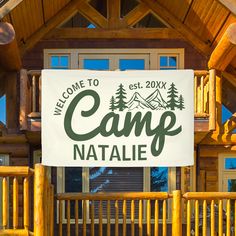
[[9, 53], [225, 50], [176, 213], [11, 101], [24, 109], [212, 99], [218, 104], [39, 192]]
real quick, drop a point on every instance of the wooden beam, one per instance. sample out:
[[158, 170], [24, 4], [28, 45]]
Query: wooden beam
[[68, 11], [230, 77], [8, 6], [225, 50], [136, 14], [186, 32], [229, 4], [92, 14], [9, 53], [113, 8], [11, 101], [230, 124], [133, 33]]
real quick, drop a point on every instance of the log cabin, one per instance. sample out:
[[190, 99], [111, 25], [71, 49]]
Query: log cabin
[[111, 35]]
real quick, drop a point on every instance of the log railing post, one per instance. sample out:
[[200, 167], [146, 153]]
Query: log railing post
[[39, 192], [212, 99], [23, 99], [176, 213]]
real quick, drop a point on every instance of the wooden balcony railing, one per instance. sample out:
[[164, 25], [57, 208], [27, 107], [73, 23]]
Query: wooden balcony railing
[[137, 213], [206, 213], [204, 96], [106, 211]]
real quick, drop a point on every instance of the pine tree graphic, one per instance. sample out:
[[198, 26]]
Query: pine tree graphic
[[181, 102], [112, 104], [121, 103], [172, 92]]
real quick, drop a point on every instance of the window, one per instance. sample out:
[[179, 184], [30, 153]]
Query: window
[[59, 62], [167, 62], [103, 178], [227, 173], [227, 176]]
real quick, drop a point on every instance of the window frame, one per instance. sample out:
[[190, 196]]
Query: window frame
[[151, 57], [225, 174], [153, 54]]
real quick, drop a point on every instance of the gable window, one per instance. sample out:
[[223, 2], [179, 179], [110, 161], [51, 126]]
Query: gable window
[[113, 179]]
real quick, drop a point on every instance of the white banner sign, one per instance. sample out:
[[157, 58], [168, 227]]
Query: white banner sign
[[117, 118]]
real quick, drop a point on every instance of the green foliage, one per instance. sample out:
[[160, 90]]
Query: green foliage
[[181, 102], [172, 92], [120, 97], [112, 104]]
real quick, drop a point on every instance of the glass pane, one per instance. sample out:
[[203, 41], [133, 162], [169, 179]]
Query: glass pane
[[54, 61], [131, 64], [59, 62], [230, 163], [96, 64], [91, 26], [115, 179], [3, 109], [159, 179], [172, 61], [231, 185], [73, 183], [64, 62], [163, 61], [73, 179]]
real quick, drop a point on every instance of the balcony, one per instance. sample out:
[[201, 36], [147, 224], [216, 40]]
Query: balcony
[[204, 103]]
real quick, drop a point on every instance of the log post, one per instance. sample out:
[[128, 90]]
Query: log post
[[10, 58], [23, 99], [218, 104], [212, 100], [225, 50], [176, 213], [39, 192]]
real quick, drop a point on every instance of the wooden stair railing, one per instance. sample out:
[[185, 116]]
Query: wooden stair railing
[[18, 178], [24, 182]]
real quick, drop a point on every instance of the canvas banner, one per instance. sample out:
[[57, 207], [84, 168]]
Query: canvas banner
[[117, 118]]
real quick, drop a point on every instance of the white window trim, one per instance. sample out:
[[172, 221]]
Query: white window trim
[[152, 53], [222, 172]]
